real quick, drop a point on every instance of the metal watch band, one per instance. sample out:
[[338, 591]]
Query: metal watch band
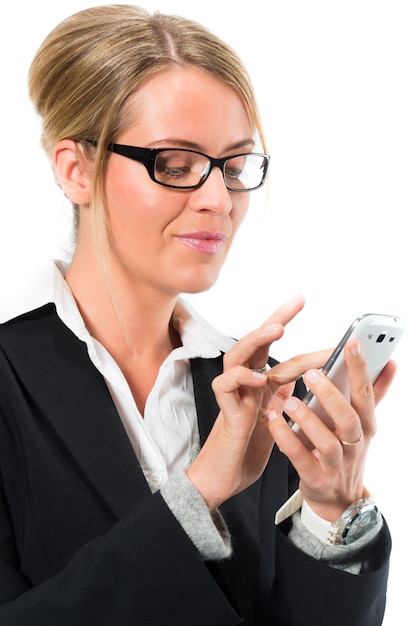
[[348, 527], [354, 522]]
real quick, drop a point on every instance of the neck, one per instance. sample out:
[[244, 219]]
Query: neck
[[130, 320]]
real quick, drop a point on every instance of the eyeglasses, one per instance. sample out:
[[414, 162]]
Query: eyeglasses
[[188, 169]]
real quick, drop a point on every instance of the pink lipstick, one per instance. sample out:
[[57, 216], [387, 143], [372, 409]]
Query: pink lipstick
[[203, 241]]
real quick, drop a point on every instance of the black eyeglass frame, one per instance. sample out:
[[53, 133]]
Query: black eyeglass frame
[[148, 156]]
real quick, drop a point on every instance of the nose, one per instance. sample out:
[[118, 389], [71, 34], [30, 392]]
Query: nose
[[213, 195]]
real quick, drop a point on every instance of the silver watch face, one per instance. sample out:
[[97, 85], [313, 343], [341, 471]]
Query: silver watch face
[[360, 523]]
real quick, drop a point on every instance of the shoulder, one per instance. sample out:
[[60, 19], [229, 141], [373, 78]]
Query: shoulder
[[31, 322], [39, 340]]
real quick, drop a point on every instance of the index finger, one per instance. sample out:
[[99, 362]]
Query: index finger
[[295, 367], [254, 347], [287, 311]]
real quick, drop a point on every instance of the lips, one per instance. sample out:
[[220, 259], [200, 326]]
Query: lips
[[203, 241]]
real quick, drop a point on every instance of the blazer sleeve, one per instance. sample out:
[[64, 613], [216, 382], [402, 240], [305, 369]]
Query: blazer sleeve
[[143, 571], [304, 586], [66, 556], [139, 568]]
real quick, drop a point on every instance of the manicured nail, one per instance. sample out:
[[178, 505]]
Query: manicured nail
[[295, 298], [271, 415], [355, 348], [312, 376], [291, 404], [272, 329]]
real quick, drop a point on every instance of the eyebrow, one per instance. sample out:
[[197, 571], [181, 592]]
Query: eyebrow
[[190, 145]]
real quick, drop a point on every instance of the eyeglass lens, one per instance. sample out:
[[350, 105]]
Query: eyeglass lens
[[181, 168]]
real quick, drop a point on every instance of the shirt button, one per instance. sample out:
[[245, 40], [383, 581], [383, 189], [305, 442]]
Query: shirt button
[[156, 480]]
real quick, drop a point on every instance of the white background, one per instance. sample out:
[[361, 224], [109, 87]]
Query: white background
[[336, 83]]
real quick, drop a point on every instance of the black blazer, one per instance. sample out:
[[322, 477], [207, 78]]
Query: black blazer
[[83, 541]]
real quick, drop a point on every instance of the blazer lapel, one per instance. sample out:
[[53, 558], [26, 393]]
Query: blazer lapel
[[54, 367], [203, 372], [57, 373]]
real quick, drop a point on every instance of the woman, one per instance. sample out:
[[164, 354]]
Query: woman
[[143, 455]]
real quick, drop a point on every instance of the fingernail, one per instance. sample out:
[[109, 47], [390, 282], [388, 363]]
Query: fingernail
[[355, 348], [272, 329], [295, 298], [259, 375], [271, 415], [312, 376], [291, 404]]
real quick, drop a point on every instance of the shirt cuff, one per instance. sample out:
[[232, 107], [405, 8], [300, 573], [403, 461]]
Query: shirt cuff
[[355, 558], [290, 507], [207, 531], [317, 525]]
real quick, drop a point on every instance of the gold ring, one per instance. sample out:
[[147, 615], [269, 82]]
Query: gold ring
[[351, 443]]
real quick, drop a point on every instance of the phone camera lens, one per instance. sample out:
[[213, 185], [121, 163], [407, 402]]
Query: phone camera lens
[[381, 338]]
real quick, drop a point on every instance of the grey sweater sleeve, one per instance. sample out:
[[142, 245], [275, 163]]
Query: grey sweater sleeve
[[355, 558], [211, 537], [208, 532]]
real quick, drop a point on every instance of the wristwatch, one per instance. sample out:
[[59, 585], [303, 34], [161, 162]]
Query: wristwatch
[[356, 520]]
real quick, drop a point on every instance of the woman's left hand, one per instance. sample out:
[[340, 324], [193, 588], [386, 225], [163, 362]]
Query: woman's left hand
[[331, 474]]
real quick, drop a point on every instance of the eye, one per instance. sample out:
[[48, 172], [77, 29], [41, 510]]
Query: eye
[[174, 165], [234, 167], [174, 171], [233, 172]]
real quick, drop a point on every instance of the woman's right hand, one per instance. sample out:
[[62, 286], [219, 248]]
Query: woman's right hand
[[239, 444]]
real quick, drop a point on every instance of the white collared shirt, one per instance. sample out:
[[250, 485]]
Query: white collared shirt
[[166, 438]]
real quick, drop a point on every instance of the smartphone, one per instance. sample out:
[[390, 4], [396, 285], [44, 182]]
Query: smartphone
[[379, 335]]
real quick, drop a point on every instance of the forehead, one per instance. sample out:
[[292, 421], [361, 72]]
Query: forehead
[[190, 104]]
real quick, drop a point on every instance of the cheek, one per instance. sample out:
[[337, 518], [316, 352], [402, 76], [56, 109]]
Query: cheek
[[240, 209], [131, 197]]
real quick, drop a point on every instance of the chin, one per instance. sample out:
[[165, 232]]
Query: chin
[[200, 283]]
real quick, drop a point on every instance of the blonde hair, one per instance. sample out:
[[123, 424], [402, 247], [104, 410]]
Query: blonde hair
[[87, 68]]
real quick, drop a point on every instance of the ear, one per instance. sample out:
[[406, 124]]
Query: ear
[[73, 171]]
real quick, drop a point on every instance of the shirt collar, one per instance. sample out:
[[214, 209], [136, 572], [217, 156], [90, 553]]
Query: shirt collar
[[48, 285], [199, 338]]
